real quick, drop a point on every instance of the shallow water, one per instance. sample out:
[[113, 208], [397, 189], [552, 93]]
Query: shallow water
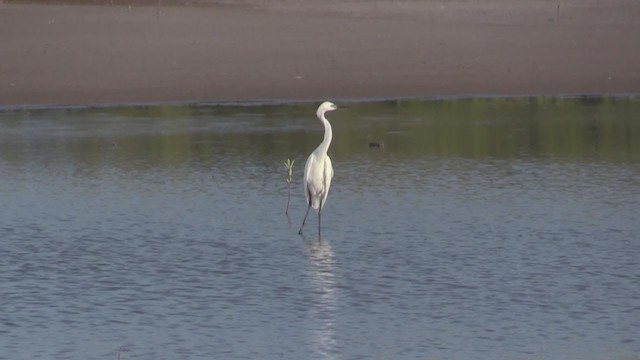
[[471, 229]]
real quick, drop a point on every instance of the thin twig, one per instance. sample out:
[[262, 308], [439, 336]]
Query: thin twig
[[289, 165]]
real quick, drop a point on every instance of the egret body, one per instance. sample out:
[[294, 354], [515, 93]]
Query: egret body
[[318, 170]]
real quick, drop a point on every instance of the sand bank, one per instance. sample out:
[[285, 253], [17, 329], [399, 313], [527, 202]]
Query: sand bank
[[181, 50]]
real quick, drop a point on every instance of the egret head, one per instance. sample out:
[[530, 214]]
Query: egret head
[[326, 106]]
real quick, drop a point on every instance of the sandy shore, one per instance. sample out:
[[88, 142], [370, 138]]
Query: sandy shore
[[204, 50]]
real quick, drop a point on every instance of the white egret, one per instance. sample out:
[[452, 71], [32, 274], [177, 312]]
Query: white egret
[[318, 170]]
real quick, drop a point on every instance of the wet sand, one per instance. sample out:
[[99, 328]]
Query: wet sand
[[204, 50]]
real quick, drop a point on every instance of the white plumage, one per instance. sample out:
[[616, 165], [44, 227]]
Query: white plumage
[[318, 170]]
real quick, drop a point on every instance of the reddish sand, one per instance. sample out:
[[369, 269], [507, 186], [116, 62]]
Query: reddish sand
[[310, 50]]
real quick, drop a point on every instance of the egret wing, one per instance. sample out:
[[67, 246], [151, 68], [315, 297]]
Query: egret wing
[[307, 171], [327, 176]]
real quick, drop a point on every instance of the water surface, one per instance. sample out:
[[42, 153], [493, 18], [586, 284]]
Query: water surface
[[470, 229]]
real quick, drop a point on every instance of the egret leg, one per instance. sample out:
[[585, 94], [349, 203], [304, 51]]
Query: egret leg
[[305, 219], [319, 217]]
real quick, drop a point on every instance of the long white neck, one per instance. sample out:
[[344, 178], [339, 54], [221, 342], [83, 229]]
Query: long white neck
[[328, 134]]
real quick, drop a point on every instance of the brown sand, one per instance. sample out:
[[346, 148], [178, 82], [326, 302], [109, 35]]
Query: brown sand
[[310, 50]]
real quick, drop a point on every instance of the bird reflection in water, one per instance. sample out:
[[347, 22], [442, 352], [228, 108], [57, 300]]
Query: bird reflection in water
[[321, 268]]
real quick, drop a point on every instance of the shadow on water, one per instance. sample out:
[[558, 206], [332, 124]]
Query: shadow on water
[[169, 136]]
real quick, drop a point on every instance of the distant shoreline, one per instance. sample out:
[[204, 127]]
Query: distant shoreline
[[291, 102], [295, 51]]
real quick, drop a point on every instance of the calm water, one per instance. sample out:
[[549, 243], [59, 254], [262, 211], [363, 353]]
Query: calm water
[[478, 229]]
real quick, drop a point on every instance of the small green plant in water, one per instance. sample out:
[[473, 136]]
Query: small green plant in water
[[289, 165]]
